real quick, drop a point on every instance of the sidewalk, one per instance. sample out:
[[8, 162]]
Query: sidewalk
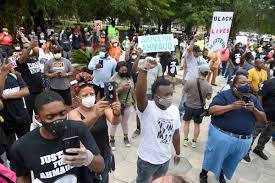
[[258, 171]]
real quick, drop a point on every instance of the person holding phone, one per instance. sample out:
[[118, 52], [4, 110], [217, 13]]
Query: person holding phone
[[127, 98], [96, 116], [103, 67], [59, 70], [232, 125], [42, 150]]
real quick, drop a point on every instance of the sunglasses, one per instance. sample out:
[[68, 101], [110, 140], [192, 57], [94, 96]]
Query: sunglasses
[[82, 83]]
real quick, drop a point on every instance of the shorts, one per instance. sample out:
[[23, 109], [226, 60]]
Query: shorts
[[171, 79], [223, 152], [194, 114], [66, 95]]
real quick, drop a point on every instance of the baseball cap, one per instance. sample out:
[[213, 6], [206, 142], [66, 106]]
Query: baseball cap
[[205, 69], [5, 29]]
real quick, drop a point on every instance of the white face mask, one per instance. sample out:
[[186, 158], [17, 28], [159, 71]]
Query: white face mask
[[31, 52], [6, 33], [134, 57], [115, 44], [88, 101], [102, 54], [57, 56], [17, 48]]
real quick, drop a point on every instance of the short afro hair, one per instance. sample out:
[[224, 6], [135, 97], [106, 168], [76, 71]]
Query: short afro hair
[[46, 97], [158, 83]]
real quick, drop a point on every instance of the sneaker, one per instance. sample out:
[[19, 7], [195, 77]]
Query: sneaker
[[247, 158], [194, 144], [127, 142], [112, 144], [185, 142], [136, 133], [261, 154], [222, 179], [203, 178]]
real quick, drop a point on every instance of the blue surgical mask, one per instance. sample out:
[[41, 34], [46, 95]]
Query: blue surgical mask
[[243, 88]]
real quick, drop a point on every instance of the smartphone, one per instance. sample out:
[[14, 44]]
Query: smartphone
[[246, 99], [70, 142], [110, 91], [101, 62]]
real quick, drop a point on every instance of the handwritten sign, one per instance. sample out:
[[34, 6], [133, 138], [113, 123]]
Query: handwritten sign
[[156, 43], [220, 29]]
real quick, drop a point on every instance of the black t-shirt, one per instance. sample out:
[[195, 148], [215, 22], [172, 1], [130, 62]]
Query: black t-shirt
[[34, 153], [31, 73], [100, 133], [172, 66], [14, 112], [268, 94], [235, 57], [130, 64]]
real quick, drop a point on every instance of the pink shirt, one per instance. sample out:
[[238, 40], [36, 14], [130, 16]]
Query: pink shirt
[[225, 55]]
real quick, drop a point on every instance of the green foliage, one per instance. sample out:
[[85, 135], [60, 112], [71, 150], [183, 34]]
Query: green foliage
[[251, 15], [81, 57]]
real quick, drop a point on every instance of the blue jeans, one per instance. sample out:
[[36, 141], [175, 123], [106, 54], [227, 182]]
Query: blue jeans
[[147, 171], [273, 137], [230, 72], [181, 106], [223, 152], [104, 176]]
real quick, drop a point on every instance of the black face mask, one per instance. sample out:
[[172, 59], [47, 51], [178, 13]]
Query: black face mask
[[56, 128], [123, 75]]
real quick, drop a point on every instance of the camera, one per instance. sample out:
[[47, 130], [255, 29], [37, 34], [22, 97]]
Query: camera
[[246, 99], [110, 91]]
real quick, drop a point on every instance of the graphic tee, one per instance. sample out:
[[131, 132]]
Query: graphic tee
[[158, 127], [34, 153], [236, 58], [64, 66], [14, 112], [172, 66], [31, 73]]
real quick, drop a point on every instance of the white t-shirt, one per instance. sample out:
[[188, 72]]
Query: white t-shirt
[[193, 63], [43, 55], [157, 130]]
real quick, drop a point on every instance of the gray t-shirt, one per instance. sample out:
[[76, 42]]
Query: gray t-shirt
[[62, 65], [152, 75], [191, 93]]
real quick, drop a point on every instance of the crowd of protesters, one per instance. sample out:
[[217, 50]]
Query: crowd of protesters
[[38, 84]]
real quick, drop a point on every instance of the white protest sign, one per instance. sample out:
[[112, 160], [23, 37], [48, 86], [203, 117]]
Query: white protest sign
[[242, 39], [220, 29], [156, 43]]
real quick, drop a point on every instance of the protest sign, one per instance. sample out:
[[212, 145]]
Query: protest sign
[[220, 29], [156, 43]]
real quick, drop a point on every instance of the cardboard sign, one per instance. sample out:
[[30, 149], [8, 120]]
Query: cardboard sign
[[156, 43], [220, 29], [112, 31]]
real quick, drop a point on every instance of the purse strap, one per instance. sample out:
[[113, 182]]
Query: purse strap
[[200, 94]]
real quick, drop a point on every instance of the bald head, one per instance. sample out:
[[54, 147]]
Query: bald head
[[259, 63]]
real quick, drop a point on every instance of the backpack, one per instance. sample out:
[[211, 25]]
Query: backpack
[[6, 175]]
